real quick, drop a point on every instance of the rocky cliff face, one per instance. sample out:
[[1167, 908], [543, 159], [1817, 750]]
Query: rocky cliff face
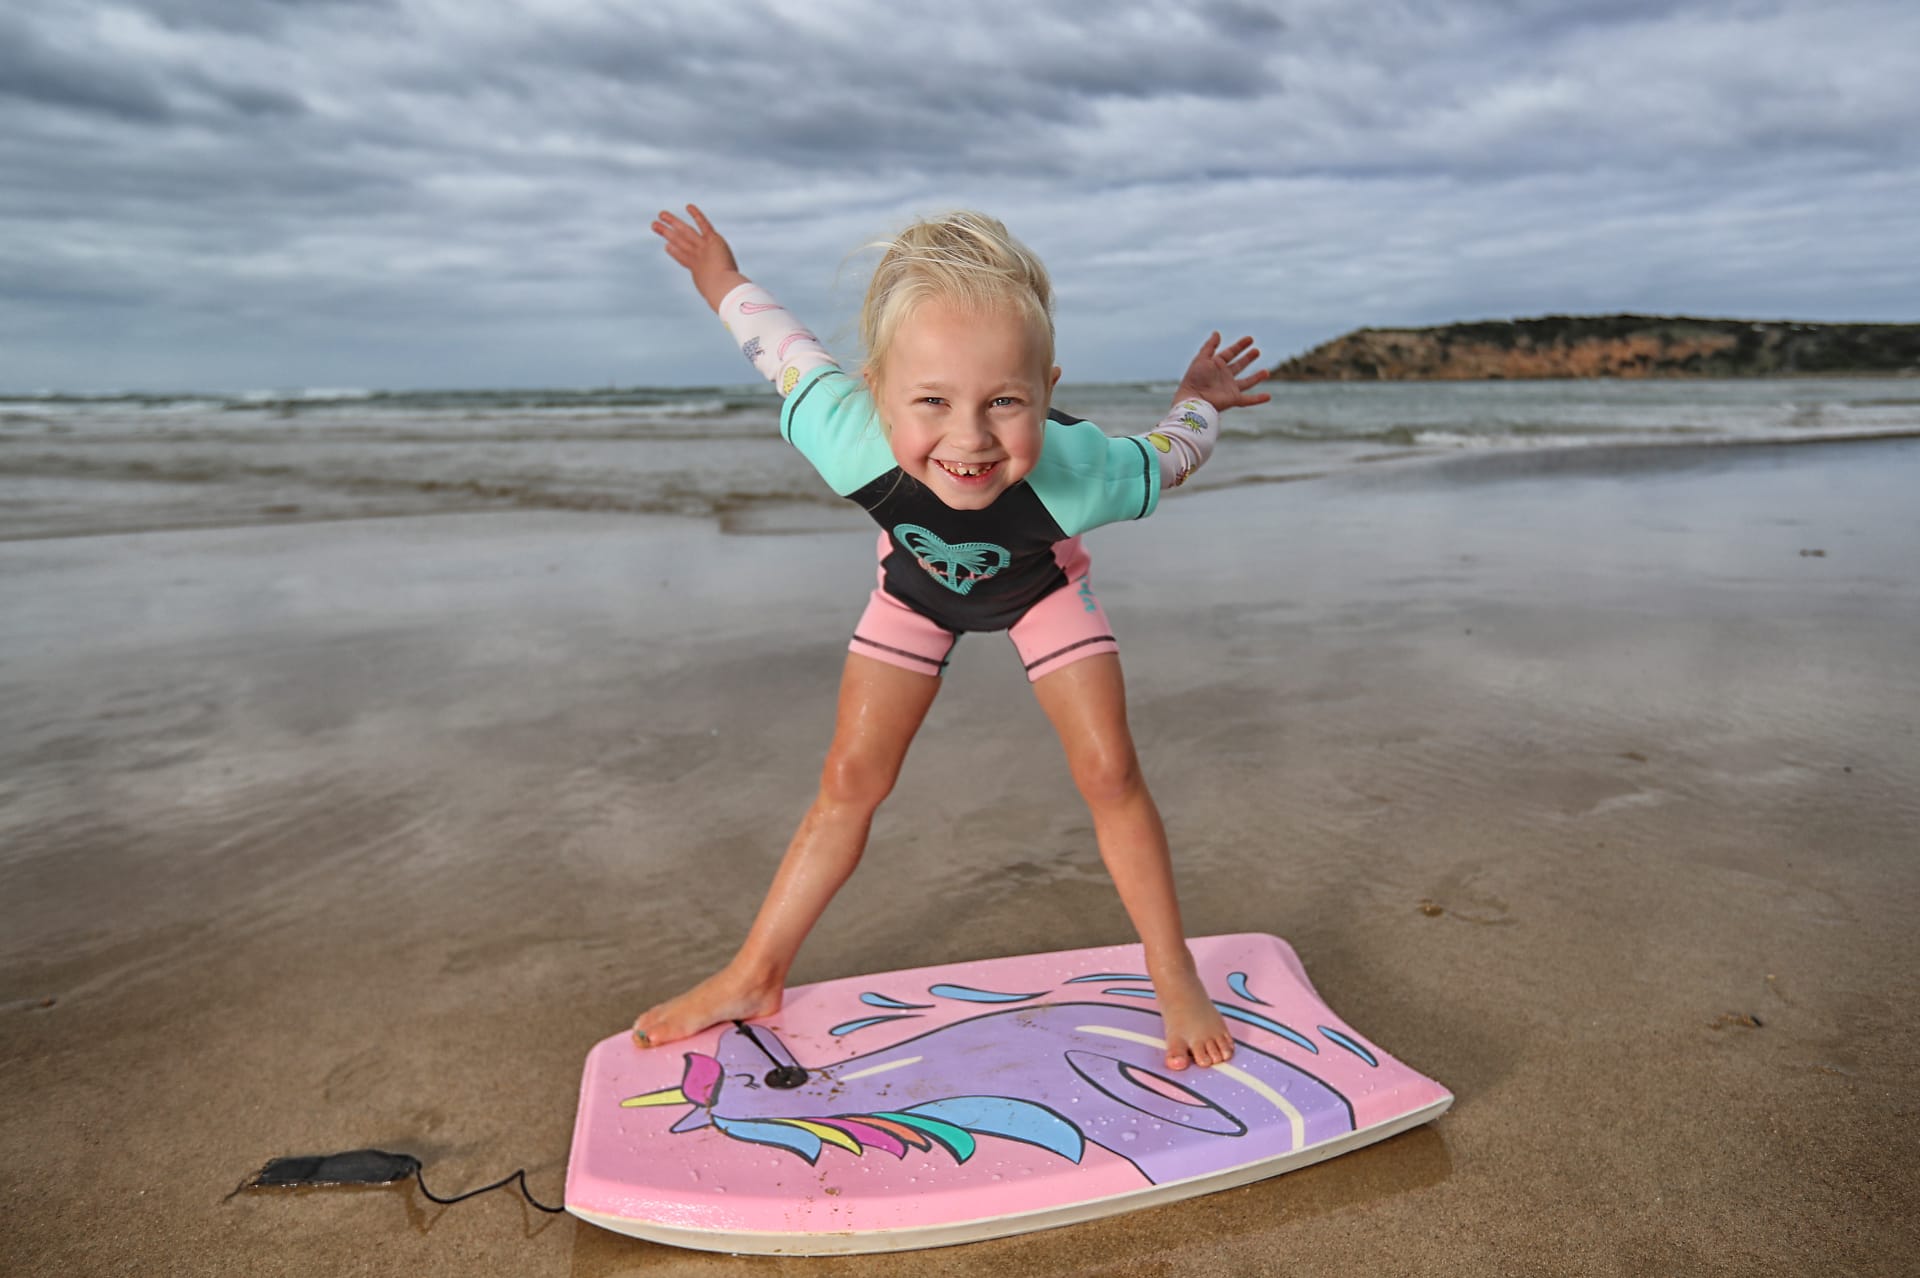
[[1610, 346]]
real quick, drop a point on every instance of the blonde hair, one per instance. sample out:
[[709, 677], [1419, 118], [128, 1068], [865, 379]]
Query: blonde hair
[[964, 258]]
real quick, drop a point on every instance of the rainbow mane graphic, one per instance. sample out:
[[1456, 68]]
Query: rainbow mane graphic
[[990, 1098]]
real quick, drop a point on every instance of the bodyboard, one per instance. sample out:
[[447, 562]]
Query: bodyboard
[[974, 1100]]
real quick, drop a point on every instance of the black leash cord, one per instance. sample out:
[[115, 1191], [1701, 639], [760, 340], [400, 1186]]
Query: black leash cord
[[754, 1038], [520, 1176], [782, 1075]]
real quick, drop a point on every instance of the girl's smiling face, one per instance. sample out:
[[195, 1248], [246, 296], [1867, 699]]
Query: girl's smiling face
[[964, 397]]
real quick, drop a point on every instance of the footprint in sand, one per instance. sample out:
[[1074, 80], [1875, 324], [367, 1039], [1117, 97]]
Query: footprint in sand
[[1458, 897]]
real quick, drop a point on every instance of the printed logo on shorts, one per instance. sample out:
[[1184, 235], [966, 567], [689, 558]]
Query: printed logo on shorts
[[959, 568]]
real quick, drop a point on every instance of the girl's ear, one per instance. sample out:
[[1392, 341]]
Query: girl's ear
[[1053, 381]]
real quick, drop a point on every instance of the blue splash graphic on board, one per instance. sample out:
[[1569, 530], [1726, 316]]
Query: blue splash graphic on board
[[848, 1027], [1336, 1036], [967, 994], [1237, 982], [881, 1000]]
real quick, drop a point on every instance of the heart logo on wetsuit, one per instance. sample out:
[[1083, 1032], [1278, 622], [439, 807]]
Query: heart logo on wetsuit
[[959, 568]]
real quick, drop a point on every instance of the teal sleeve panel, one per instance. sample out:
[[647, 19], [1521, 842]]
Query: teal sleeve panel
[[1086, 478], [830, 418]]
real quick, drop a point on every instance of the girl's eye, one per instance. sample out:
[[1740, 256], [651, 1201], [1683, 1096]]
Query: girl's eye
[[1004, 401], [931, 399]]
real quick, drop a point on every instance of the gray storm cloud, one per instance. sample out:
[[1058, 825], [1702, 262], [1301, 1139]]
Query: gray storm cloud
[[228, 193]]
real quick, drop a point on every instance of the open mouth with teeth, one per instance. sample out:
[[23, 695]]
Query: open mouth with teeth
[[967, 470]]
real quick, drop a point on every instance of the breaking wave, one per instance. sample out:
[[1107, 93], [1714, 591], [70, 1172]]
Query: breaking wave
[[71, 464]]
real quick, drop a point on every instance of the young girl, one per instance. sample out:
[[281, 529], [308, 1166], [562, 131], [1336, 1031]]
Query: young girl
[[981, 493]]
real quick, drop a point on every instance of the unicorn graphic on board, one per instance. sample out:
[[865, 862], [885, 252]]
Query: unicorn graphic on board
[[1054, 1075]]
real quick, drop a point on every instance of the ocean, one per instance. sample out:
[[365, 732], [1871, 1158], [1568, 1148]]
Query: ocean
[[92, 465]]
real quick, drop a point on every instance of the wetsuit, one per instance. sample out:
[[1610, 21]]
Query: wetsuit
[[1018, 565]]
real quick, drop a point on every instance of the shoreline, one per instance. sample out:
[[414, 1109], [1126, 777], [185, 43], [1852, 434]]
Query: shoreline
[[783, 516]]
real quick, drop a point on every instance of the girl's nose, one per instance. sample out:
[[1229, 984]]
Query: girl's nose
[[970, 430]]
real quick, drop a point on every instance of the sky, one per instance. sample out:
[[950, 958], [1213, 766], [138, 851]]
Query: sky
[[254, 194]]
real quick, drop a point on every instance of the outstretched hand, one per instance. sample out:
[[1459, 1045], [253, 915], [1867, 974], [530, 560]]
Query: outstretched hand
[[1216, 375], [703, 251]]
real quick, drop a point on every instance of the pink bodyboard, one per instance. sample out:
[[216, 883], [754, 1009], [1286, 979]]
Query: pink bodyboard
[[973, 1100]]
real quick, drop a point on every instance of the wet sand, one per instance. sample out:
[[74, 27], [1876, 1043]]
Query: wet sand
[[1586, 786]]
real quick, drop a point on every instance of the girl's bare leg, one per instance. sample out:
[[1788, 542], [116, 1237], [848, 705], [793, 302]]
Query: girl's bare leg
[[1087, 703], [881, 707]]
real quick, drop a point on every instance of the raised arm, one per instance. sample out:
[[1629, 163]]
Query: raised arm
[[773, 341], [1215, 381]]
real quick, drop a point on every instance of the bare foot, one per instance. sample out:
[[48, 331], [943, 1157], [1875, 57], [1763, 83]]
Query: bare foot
[[725, 996], [1195, 1029]]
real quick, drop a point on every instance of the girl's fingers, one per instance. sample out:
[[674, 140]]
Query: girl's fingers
[[671, 227], [1241, 351], [682, 240]]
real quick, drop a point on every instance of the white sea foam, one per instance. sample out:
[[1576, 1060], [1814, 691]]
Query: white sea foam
[[714, 451], [303, 393]]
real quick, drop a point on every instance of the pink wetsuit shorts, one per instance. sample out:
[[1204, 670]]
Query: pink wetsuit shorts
[[1062, 628]]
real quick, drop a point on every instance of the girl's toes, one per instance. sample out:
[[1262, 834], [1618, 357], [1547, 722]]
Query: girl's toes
[[1213, 1052], [1176, 1056]]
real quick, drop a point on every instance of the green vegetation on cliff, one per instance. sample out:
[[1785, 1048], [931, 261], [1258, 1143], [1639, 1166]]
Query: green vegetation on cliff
[[1610, 346]]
